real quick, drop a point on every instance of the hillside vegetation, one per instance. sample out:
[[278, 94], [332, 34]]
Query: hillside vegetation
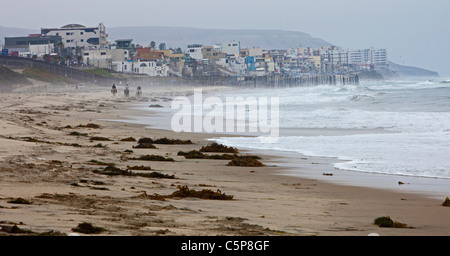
[[44, 76], [9, 78]]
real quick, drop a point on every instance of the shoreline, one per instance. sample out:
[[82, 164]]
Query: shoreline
[[436, 188], [265, 202]]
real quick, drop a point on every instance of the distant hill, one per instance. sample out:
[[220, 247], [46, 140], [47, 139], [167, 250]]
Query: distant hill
[[408, 71], [175, 37]]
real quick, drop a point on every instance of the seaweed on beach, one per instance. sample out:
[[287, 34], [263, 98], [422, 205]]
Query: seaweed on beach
[[88, 228], [144, 145], [215, 147], [446, 202], [153, 158], [163, 140], [129, 139], [387, 222], [194, 154], [90, 125], [75, 133], [114, 171], [245, 161], [99, 138], [96, 162], [144, 168], [184, 191], [29, 139], [19, 201], [99, 145]]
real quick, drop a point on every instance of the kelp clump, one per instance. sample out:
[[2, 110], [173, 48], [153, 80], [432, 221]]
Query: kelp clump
[[163, 140], [114, 171], [88, 228], [144, 145], [194, 154], [89, 125], [184, 191], [387, 222], [215, 147], [153, 158], [245, 161], [446, 202]]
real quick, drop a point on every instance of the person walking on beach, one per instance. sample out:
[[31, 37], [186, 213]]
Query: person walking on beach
[[126, 91]]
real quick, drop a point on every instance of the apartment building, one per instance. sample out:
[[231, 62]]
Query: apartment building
[[76, 35]]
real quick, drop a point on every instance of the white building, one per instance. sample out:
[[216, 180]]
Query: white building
[[368, 56], [233, 47], [75, 35], [377, 56], [104, 58], [256, 51], [195, 51], [151, 68], [356, 57]]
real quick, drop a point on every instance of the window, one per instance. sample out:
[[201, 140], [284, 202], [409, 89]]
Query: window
[[81, 33], [86, 54], [82, 40], [67, 41], [103, 53]]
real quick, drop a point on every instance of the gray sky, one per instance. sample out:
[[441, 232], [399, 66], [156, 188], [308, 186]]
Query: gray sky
[[415, 32]]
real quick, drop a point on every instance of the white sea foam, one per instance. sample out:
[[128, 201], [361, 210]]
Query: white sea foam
[[417, 115]]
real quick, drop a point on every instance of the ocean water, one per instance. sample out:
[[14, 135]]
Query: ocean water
[[406, 124]]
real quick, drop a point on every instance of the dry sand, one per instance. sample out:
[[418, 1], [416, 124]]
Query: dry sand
[[41, 163]]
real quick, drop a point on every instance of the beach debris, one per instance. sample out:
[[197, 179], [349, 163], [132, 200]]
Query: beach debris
[[89, 125], [96, 162], [128, 139], [114, 171], [19, 201], [184, 191], [14, 229], [387, 222], [245, 161], [163, 140], [99, 145], [144, 168], [446, 202], [327, 174], [195, 154], [155, 106], [215, 147], [88, 228], [144, 145], [99, 138], [75, 133], [153, 158]]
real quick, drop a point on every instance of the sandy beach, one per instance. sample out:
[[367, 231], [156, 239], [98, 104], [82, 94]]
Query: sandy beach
[[56, 173]]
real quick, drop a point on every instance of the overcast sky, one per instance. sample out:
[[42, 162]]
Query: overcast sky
[[416, 32]]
